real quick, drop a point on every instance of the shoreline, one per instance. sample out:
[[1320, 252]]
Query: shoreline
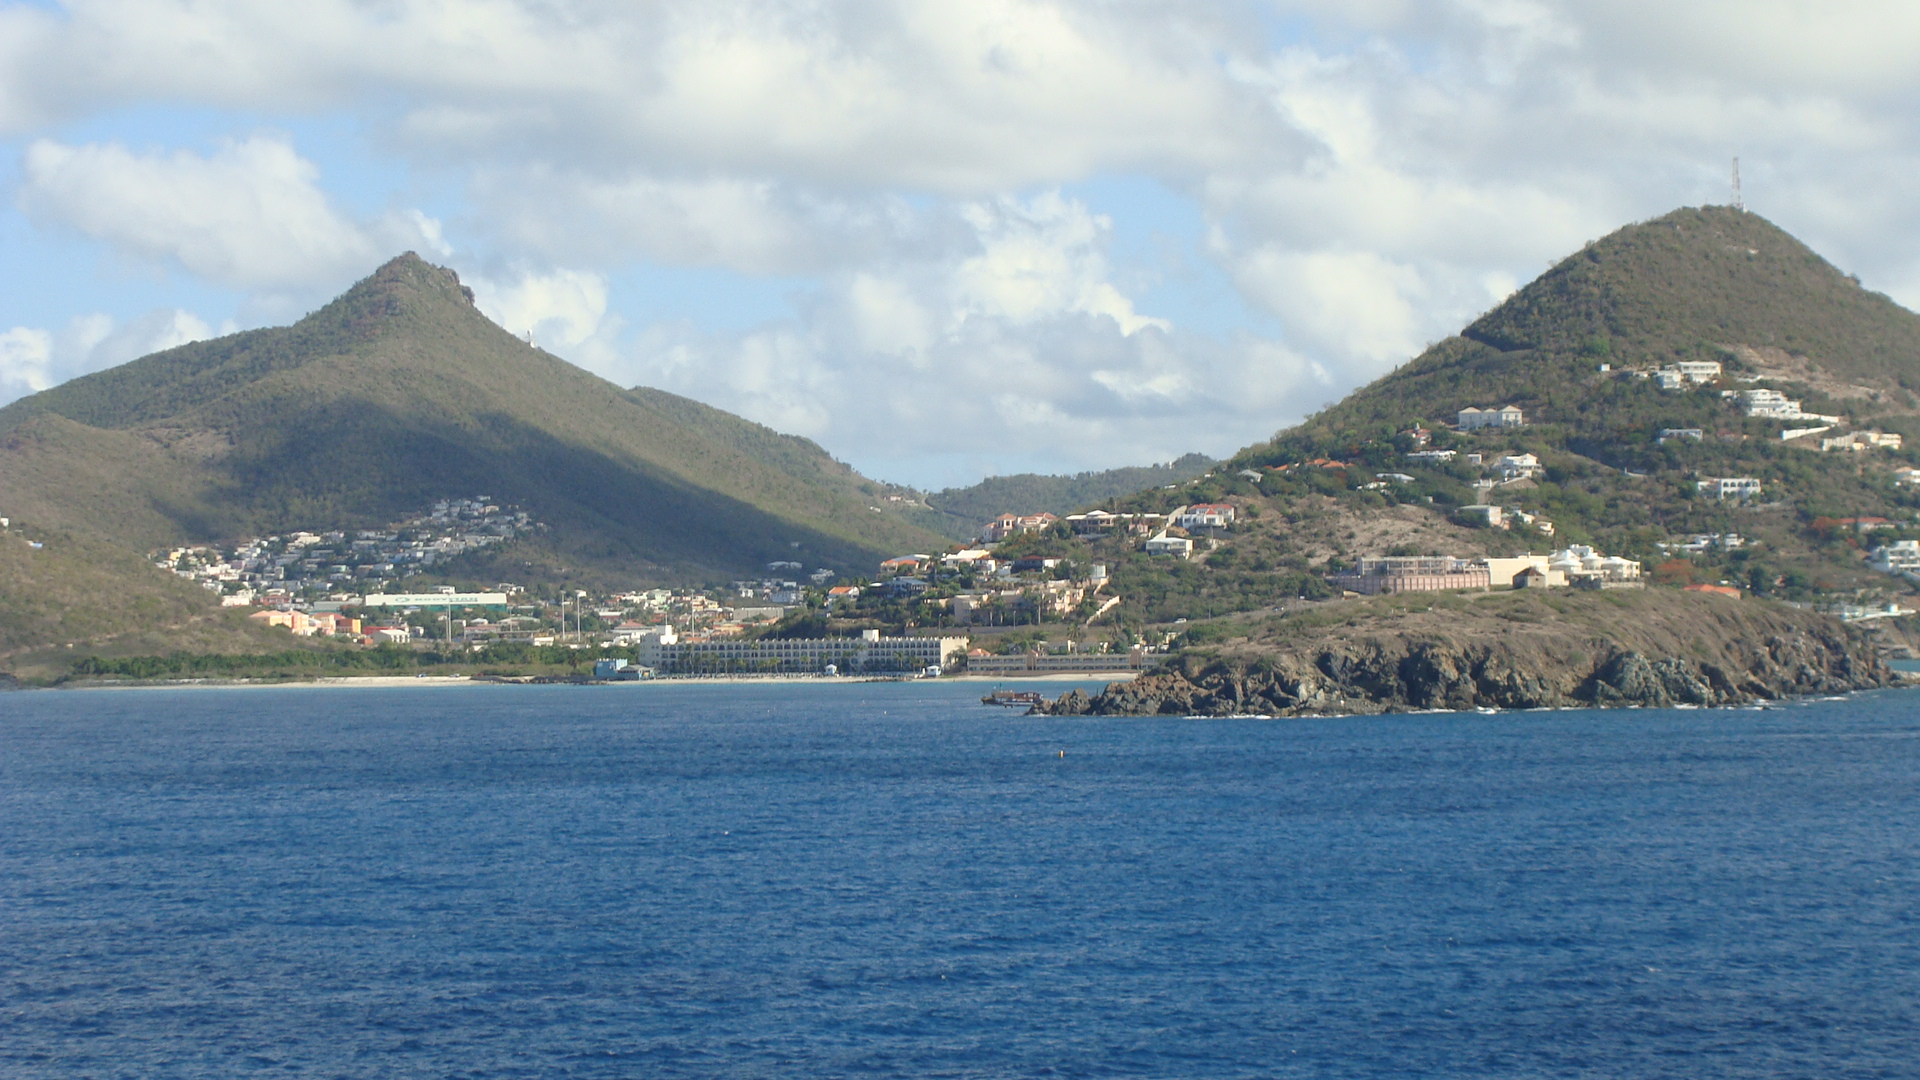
[[349, 682]]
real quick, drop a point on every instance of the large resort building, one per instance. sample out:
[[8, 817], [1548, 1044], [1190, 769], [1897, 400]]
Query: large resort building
[[662, 651]]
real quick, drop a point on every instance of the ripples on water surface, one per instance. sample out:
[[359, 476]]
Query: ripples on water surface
[[891, 880]]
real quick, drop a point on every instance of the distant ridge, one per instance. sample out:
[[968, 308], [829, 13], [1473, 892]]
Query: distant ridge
[[400, 392], [960, 513]]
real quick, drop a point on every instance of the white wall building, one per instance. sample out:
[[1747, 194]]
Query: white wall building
[[1492, 517], [1206, 516], [1899, 557], [1472, 419], [1163, 544], [1518, 466], [1578, 561], [1729, 487], [1863, 440]]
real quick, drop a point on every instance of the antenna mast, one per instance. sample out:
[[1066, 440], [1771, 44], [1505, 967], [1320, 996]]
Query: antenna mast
[[1738, 204]]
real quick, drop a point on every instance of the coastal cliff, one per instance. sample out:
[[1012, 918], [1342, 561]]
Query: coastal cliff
[[1505, 651]]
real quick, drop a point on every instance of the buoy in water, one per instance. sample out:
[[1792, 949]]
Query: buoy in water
[[1063, 753]]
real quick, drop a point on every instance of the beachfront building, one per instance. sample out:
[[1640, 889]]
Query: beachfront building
[[870, 652]]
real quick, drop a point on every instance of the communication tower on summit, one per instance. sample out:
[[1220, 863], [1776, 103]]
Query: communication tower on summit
[[1738, 204]]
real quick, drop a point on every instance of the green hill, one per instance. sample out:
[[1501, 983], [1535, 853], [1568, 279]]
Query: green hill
[[1573, 350], [1711, 283], [400, 393], [1699, 284]]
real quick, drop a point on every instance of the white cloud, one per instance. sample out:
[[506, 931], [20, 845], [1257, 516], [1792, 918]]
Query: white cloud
[[26, 358], [969, 98], [34, 359], [1041, 258], [562, 308], [1012, 350], [1355, 305], [1372, 173], [250, 215]]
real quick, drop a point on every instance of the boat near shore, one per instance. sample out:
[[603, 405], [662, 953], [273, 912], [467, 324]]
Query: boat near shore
[[1012, 698]]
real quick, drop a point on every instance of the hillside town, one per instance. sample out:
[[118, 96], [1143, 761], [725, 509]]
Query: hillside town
[[284, 567], [1014, 600]]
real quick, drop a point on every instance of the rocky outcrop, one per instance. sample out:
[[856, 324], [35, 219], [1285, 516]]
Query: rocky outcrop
[[1761, 654]]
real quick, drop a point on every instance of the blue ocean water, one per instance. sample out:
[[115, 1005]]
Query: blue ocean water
[[892, 880]]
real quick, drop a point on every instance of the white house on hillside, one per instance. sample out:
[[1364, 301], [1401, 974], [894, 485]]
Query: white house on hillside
[[1472, 418], [1206, 516], [1170, 545], [1729, 487]]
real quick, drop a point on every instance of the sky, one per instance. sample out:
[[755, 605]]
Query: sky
[[943, 239]]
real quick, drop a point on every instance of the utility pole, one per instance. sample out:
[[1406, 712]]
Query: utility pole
[[1738, 203]]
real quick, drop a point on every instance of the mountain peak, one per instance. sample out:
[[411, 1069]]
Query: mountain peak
[[1706, 283], [1700, 278], [404, 286]]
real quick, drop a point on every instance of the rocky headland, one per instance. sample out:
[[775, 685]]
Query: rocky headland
[[1520, 650]]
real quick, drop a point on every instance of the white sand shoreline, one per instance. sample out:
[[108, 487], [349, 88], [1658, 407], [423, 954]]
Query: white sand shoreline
[[337, 682]]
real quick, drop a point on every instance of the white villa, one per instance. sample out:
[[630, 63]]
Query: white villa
[[1774, 405], [1178, 546], [1504, 416], [1729, 487], [1899, 557], [1686, 372]]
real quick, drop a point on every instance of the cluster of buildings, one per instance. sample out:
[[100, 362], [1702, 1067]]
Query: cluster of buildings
[[1675, 376], [1155, 527], [1852, 442], [1056, 597], [1766, 403], [1576, 565], [628, 617], [300, 562], [333, 624], [1014, 600]]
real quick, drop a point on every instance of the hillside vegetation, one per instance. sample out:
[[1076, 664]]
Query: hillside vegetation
[[959, 513], [1698, 284], [1709, 284], [400, 393], [78, 596]]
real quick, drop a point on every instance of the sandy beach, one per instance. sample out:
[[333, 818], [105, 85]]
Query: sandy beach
[[335, 682]]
